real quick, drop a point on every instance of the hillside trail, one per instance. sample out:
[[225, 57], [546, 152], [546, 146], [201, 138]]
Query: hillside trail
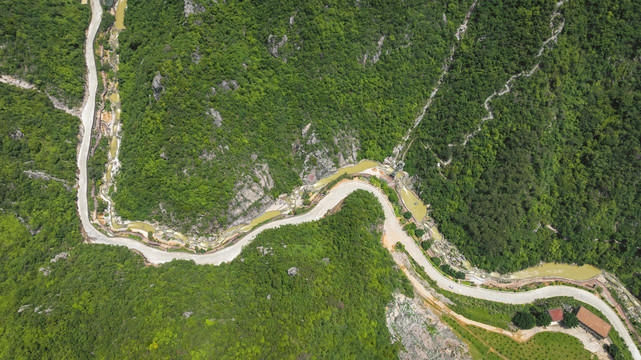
[[400, 150], [507, 87], [11, 80]]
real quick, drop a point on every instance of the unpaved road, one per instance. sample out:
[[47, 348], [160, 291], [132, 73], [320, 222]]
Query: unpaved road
[[392, 228]]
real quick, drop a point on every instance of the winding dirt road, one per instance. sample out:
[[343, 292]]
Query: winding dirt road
[[392, 228]]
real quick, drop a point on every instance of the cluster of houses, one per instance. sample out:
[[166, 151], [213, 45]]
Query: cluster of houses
[[587, 319]]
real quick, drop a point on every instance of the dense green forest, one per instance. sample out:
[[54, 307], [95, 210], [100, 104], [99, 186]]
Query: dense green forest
[[42, 42], [177, 158], [563, 149], [101, 301]]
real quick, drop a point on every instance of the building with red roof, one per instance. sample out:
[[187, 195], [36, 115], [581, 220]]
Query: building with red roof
[[592, 322], [556, 315]]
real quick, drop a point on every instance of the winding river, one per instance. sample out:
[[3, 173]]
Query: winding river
[[392, 228]]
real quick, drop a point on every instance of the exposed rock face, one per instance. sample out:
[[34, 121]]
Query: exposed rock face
[[273, 46], [306, 129], [292, 271], [227, 85], [196, 56], [192, 8], [62, 255], [44, 176], [376, 55], [378, 49], [16, 135], [215, 115], [265, 250], [157, 87], [422, 333], [264, 178], [252, 196], [320, 160]]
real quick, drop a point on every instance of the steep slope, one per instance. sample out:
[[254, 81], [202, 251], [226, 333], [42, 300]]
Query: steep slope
[[256, 97], [553, 174], [41, 42]]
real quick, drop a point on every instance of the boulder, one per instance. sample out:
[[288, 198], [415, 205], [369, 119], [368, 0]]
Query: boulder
[[157, 87]]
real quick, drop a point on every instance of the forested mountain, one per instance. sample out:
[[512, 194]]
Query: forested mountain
[[217, 98], [60, 298], [42, 42], [216, 95], [563, 148]]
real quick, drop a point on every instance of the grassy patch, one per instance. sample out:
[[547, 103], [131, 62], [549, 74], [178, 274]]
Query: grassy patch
[[548, 345]]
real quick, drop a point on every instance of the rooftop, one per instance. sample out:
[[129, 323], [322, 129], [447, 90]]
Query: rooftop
[[556, 314], [593, 322]]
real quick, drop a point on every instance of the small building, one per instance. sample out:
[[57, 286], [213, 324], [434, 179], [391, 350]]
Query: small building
[[556, 315], [593, 323]]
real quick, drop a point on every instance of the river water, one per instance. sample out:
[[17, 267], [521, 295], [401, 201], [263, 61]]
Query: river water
[[573, 272], [120, 14], [365, 164]]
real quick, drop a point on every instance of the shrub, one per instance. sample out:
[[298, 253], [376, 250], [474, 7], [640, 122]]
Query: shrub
[[524, 320], [614, 351], [570, 320], [543, 318]]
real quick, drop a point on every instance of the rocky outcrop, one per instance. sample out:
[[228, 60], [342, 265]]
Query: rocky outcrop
[[321, 160], [275, 46], [215, 116], [422, 333], [292, 271], [16, 135], [156, 86], [44, 176], [227, 85], [192, 8], [376, 56], [252, 195], [63, 255]]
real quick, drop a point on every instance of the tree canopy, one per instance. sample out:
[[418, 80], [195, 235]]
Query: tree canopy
[[554, 175], [59, 296], [42, 42]]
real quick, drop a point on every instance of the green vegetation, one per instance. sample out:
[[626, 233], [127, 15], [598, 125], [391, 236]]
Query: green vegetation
[[524, 320], [620, 350], [570, 320], [547, 345], [317, 76], [103, 301], [388, 191], [564, 147], [543, 318], [34, 137], [96, 163], [447, 269], [615, 352], [42, 42]]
